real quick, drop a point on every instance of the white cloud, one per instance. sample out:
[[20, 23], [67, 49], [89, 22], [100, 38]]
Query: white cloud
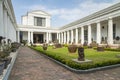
[[81, 10]]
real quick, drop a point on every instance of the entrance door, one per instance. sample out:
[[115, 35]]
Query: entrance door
[[38, 38]]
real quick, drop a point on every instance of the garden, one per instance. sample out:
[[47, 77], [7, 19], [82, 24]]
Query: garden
[[5, 52], [99, 58]]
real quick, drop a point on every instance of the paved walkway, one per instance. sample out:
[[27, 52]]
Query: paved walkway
[[32, 66]]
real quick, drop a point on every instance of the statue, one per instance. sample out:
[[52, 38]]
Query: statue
[[81, 54]]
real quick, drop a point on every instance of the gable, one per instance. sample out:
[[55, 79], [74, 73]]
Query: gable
[[40, 12]]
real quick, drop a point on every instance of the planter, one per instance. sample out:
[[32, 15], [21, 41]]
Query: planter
[[7, 61], [2, 64], [72, 48], [100, 48], [44, 48]]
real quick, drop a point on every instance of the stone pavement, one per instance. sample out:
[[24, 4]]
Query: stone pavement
[[30, 65]]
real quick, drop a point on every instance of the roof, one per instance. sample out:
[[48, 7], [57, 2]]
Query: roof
[[39, 12]]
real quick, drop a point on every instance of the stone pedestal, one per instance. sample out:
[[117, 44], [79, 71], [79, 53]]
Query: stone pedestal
[[85, 61]]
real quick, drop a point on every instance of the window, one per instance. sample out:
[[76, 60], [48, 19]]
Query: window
[[39, 21]]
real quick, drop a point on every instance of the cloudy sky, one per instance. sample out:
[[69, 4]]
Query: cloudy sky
[[62, 11]]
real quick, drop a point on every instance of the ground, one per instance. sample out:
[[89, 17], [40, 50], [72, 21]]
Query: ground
[[30, 65]]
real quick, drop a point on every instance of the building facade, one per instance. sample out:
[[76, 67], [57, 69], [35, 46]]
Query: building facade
[[8, 25], [36, 28], [102, 27]]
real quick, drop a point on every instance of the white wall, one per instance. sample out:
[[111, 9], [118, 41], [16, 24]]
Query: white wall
[[24, 20], [29, 18]]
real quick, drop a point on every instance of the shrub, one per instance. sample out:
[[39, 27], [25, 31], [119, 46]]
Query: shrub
[[57, 45], [76, 65]]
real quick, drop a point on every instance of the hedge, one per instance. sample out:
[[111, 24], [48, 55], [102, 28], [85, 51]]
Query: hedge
[[76, 65]]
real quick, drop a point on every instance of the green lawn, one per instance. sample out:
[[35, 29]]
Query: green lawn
[[97, 57]]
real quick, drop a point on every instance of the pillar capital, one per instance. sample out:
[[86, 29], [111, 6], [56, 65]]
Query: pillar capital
[[110, 18]]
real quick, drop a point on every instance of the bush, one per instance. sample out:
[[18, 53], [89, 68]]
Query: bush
[[57, 45]]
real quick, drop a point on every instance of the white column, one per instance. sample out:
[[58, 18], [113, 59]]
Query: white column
[[89, 34], [98, 33], [110, 31], [76, 36], [1, 19], [59, 38], [64, 37], [18, 36], [47, 37], [50, 37], [28, 37], [68, 37], [31, 36], [82, 35], [71, 36]]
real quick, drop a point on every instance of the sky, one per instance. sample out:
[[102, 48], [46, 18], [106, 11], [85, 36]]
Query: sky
[[62, 11]]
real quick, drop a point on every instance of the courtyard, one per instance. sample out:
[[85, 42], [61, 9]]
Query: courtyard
[[30, 65]]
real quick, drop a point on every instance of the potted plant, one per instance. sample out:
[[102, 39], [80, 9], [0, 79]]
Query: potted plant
[[45, 46], [4, 58], [72, 48]]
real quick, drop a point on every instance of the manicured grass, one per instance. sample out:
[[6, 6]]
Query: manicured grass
[[99, 58]]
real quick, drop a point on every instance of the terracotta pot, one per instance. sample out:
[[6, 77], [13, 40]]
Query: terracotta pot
[[72, 48], [44, 48]]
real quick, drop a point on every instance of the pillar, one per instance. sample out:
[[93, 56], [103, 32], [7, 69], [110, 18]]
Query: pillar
[[71, 36], [64, 37], [31, 36], [47, 37], [110, 31], [59, 38], [98, 33], [18, 36], [89, 34], [28, 37], [50, 37], [76, 39], [68, 37]]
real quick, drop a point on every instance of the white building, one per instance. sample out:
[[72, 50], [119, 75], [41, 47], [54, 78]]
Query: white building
[[102, 27], [8, 26]]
